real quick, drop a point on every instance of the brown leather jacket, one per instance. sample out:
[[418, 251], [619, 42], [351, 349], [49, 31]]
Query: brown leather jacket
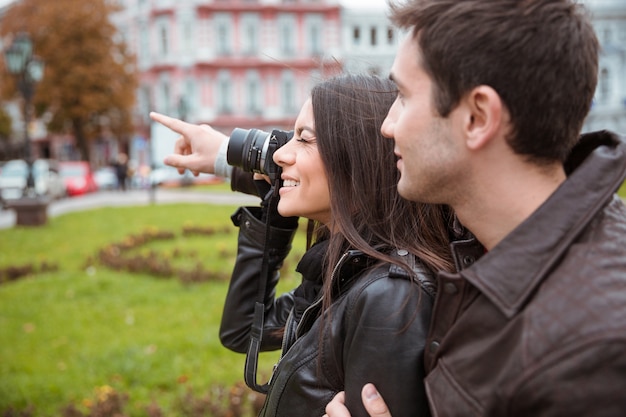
[[537, 326]]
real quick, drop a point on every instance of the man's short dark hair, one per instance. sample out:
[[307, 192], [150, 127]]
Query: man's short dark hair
[[541, 56]]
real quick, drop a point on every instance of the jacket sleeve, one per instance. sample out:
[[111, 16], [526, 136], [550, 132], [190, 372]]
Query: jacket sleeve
[[387, 324], [243, 289]]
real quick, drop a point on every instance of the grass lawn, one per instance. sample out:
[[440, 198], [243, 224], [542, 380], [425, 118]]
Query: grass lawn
[[66, 335]]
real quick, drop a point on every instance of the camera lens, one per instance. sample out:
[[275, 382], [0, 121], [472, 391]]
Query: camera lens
[[247, 149]]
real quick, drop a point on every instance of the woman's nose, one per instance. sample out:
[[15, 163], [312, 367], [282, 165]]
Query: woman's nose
[[283, 155]]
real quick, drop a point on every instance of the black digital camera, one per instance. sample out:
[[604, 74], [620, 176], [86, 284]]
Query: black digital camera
[[253, 150]]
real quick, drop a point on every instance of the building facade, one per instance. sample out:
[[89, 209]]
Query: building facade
[[230, 63], [370, 41], [609, 105], [252, 63]]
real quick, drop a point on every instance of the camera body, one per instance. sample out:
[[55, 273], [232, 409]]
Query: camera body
[[253, 150]]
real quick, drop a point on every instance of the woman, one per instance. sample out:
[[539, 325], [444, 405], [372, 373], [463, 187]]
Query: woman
[[363, 309]]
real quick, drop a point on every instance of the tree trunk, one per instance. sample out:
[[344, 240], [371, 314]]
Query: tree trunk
[[81, 140]]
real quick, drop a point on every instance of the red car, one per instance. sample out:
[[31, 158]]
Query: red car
[[78, 177]]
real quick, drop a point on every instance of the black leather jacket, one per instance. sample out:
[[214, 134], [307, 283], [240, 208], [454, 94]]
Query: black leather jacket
[[374, 332]]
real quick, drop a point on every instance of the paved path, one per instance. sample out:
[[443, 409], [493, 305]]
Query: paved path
[[134, 198]]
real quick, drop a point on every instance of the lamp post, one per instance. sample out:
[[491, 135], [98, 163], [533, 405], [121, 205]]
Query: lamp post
[[28, 71], [183, 110]]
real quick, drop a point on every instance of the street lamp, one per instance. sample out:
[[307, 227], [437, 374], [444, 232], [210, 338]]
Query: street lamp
[[20, 62], [28, 70], [183, 109]]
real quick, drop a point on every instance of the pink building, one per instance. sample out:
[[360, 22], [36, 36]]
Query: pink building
[[230, 63]]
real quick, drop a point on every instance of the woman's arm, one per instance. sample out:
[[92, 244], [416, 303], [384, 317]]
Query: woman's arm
[[243, 289]]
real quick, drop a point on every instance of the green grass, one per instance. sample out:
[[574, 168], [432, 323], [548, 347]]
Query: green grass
[[622, 190], [223, 186], [66, 333]]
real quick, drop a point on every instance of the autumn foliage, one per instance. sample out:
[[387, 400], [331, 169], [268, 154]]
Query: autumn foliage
[[89, 80]]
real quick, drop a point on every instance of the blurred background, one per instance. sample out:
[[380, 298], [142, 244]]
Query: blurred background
[[103, 65], [113, 307]]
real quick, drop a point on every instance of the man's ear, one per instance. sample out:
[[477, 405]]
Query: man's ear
[[484, 112]]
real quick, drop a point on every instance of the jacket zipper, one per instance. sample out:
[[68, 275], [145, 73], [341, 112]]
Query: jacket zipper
[[319, 300], [308, 309]]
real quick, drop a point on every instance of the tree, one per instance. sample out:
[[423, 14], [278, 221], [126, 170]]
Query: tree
[[5, 125], [89, 80]]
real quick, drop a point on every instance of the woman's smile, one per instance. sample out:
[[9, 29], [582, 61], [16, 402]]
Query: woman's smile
[[304, 192]]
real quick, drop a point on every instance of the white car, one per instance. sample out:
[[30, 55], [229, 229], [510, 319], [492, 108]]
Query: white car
[[105, 178], [48, 181]]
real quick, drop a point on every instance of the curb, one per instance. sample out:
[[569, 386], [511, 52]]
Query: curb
[[134, 198]]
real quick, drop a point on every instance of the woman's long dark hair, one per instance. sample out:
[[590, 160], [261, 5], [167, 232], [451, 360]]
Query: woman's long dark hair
[[368, 214]]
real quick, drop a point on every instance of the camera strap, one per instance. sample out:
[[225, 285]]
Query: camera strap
[[256, 329]]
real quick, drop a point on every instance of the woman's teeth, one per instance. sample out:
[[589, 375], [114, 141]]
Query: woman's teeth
[[290, 183]]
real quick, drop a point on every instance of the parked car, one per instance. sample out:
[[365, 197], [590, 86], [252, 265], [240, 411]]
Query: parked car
[[78, 177], [48, 181], [105, 178]]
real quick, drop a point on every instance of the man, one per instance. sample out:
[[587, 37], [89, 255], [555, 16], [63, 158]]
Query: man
[[492, 96]]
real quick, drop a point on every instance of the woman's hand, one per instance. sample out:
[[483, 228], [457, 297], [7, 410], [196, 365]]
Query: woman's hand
[[195, 149]]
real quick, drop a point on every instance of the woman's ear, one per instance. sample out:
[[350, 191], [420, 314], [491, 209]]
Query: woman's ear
[[484, 113]]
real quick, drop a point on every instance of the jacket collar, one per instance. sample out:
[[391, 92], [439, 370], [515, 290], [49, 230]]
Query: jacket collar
[[513, 269]]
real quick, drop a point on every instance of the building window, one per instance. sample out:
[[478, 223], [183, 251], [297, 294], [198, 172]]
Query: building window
[[373, 36], [164, 41], [607, 35], [253, 93], [356, 35], [315, 41], [314, 36], [604, 86], [286, 34], [390, 36], [204, 32], [288, 92], [250, 34], [224, 94], [165, 97], [143, 53], [191, 95], [222, 40], [145, 101], [223, 25], [187, 26]]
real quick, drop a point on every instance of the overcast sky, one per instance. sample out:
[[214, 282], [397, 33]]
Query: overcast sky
[[369, 3], [380, 4]]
